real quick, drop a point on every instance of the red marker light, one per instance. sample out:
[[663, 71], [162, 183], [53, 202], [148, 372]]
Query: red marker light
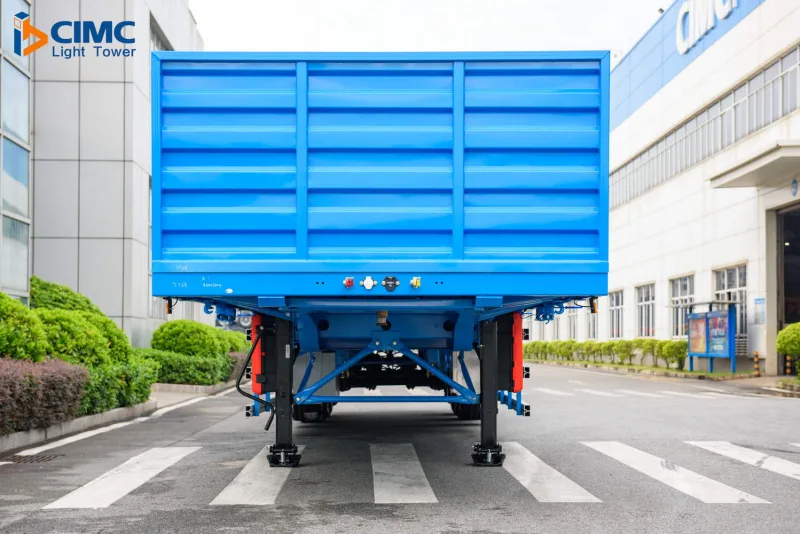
[[349, 282]]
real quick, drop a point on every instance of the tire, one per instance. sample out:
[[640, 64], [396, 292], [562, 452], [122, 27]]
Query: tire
[[469, 412]]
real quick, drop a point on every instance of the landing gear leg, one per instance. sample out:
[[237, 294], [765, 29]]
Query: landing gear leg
[[277, 343], [488, 452]]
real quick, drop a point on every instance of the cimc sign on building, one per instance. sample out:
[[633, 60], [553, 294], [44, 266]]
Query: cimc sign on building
[[705, 155], [104, 38]]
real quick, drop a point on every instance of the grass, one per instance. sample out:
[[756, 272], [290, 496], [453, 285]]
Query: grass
[[647, 368]]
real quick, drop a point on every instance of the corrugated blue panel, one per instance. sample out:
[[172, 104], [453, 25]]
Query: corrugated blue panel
[[386, 162]]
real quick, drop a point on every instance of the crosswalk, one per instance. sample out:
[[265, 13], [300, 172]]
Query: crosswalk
[[399, 475], [626, 393]]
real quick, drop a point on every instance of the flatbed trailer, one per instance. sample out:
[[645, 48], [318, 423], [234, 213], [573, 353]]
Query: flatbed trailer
[[380, 216]]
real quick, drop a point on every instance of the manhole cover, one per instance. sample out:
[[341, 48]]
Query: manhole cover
[[33, 459]]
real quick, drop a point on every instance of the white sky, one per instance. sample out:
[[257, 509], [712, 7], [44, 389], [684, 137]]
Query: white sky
[[424, 25]]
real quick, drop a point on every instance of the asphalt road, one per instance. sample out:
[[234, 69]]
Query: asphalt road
[[601, 453]]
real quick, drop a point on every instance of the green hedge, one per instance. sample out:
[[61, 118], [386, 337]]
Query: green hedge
[[22, 335], [137, 375], [74, 339], [672, 351], [232, 341], [57, 297], [102, 390], [38, 395], [187, 337], [119, 347], [176, 368]]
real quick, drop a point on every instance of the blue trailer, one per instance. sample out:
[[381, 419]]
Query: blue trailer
[[380, 215]]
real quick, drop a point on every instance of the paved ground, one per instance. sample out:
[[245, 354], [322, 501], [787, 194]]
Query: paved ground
[[601, 453]]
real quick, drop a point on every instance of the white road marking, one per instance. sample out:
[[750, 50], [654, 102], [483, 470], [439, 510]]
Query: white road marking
[[542, 481], [111, 486], [76, 437], [691, 395], [167, 409], [674, 476], [4, 463], [257, 484], [554, 392], [711, 389], [795, 444], [398, 477], [751, 457], [599, 393], [577, 382], [724, 395], [225, 392], [779, 390], [640, 393]]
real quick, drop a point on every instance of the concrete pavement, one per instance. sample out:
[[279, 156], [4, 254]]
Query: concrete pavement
[[600, 453]]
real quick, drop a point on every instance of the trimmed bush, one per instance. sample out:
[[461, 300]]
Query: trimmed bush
[[74, 339], [591, 349], [176, 368], [22, 335], [649, 345], [675, 352], [102, 390], [232, 341], [136, 376], [788, 342], [38, 395], [187, 337], [623, 348], [119, 347], [57, 297]]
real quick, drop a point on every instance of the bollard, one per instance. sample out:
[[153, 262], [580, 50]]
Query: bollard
[[788, 365], [755, 364]]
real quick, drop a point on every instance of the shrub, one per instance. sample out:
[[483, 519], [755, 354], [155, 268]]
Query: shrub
[[624, 349], [788, 342], [607, 349], [176, 368], [591, 349], [232, 341], [119, 347], [57, 297], [676, 352], [567, 349], [136, 377], [187, 337], [74, 339], [22, 335], [102, 390], [649, 345], [38, 395]]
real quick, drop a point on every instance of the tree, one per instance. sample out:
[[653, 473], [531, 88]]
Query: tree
[[624, 349], [649, 345]]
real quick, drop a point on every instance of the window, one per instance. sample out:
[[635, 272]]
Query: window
[[730, 285], [681, 294], [767, 96], [14, 185], [14, 254], [615, 308], [646, 310], [15, 99], [572, 322], [526, 334], [591, 324]]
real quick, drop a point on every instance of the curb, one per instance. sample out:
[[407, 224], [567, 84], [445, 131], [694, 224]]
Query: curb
[[187, 388], [19, 440], [788, 386], [647, 372]]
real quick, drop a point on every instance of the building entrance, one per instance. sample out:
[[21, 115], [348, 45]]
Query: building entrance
[[789, 266]]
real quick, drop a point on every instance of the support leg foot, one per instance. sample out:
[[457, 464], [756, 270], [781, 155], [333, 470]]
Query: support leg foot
[[488, 456], [283, 456]]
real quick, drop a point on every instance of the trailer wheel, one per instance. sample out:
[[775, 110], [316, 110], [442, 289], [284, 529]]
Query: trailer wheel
[[468, 412]]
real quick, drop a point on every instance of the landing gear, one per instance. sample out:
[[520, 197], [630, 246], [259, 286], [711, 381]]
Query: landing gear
[[488, 452], [278, 354]]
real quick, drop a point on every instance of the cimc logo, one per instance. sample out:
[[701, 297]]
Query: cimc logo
[[102, 36], [24, 30]]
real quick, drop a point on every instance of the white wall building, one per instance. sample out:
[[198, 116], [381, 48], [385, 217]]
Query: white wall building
[[705, 157], [91, 155]]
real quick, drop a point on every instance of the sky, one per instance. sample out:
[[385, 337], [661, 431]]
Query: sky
[[424, 25]]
